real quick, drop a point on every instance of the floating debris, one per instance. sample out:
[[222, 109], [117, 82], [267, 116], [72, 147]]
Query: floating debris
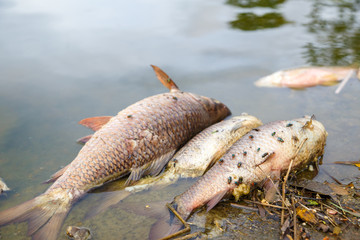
[[78, 233]]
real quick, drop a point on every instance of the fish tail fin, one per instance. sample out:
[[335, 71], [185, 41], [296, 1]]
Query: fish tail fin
[[169, 225], [43, 214], [165, 79], [110, 200]]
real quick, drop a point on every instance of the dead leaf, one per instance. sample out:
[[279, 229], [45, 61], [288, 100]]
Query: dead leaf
[[285, 225], [315, 187], [355, 163], [306, 215], [338, 189], [331, 211], [336, 230], [324, 228]]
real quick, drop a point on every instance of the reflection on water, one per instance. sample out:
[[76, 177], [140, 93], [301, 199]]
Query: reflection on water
[[255, 3], [66, 60], [336, 27], [251, 21]]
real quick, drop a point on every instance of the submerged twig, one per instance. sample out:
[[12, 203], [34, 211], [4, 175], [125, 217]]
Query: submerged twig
[[344, 210], [186, 229], [343, 82], [286, 178], [243, 207], [266, 204], [293, 201]]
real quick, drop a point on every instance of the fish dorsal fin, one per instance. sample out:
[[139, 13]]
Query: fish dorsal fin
[[85, 139], [165, 79], [153, 168], [95, 123], [215, 200], [58, 174]]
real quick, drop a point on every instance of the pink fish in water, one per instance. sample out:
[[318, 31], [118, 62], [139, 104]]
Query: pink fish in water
[[263, 152], [138, 141], [307, 77]]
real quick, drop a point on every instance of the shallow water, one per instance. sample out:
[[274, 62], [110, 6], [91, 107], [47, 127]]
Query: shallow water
[[64, 61]]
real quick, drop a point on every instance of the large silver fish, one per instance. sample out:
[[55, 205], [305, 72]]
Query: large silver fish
[[193, 159], [263, 152], [138, 141]]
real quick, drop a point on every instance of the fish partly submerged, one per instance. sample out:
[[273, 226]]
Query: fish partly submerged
[[138, 141], [3, 186], [193, 159], [307, 77], [264, 152]]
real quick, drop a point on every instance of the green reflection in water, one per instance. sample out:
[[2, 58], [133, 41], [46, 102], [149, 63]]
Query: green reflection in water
[[255, 3], [251, 21], [337, 38]]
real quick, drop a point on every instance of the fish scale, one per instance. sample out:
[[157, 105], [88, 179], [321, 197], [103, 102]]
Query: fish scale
[[146, 147], [269, 151]]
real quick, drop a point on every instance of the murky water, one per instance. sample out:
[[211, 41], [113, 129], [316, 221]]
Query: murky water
[[67, 60]]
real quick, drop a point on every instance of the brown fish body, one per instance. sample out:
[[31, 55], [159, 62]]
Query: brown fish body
[[265, 151], [139, 140], [135, 138]]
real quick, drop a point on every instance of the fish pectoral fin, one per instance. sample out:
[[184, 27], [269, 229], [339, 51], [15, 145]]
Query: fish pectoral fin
[[165, 79], [329, 80], [271, 188], [215, 200], [153, 168], [58, 174], [236, 127], [85, 139], [214, 159], [95, 123]]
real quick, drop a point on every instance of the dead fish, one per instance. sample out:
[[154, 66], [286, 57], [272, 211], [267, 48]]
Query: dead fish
[[78, 233], [138, 141], [192, 160], [263, 152], [3, 186], [307, 77]]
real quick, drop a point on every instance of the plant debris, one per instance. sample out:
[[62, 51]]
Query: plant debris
[[308, 206]]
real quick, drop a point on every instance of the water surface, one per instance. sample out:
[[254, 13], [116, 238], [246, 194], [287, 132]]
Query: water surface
[[64, 61]]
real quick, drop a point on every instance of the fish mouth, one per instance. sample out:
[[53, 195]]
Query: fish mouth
[[273, 80], [310, 122]]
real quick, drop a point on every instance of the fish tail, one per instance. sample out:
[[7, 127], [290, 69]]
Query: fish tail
[[170, 223], [43, 214]]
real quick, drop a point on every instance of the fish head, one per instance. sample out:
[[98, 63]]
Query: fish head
[[273, 80], [216, 109], [312, 135]]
